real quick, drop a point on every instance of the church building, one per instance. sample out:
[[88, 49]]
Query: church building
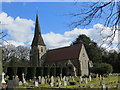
[[70, 60]]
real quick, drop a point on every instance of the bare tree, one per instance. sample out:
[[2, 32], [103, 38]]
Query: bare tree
[[95, 11], [22, 52]]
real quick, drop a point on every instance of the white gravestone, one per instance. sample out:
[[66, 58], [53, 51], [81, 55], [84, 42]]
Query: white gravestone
[[36, 84], [39, 79], [90, 79], [3, 80], [43, 80], [52, 81], [20, 83], [24, 81], [65, 83]]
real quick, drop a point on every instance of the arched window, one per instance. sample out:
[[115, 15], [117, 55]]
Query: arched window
[[41, 49]]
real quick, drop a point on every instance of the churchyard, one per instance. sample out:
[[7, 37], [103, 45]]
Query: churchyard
[[47, 82]]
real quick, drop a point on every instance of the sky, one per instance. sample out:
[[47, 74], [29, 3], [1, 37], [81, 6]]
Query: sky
[[18, 21]]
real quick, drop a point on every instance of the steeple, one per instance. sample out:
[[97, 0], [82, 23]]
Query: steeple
[[37, 40]]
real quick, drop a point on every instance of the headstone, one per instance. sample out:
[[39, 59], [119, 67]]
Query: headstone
[[16, 81], [52, 84], [103, 87], [43, 80], [65, 83], [3, 80], [39, 79], [90, 79], [34, 78], [20, 83], [36, 84], [59, 83], [97, 76]]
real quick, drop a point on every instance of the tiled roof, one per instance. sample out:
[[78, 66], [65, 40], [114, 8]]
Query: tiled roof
[[65, 53]]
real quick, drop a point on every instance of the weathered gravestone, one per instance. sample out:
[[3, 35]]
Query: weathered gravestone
[[43, 80], [16, 81]]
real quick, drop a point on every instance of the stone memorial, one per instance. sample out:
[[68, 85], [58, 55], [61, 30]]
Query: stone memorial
[[39, 79], [3, 80], [20, 83], [16, 81], [43, 81], [36, 84], [23, 77], [90, 79]]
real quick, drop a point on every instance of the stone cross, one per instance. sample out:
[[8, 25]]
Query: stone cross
[[3, 80], [65, 83]]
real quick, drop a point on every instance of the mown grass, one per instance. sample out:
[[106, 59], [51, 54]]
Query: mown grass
[[110, 81]]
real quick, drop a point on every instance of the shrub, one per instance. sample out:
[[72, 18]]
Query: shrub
[[101, 68]]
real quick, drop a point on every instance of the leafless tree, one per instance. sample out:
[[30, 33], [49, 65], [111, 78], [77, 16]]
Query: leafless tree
[[95, 11]]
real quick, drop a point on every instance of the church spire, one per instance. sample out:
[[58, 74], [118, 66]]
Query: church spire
[[37, 40]]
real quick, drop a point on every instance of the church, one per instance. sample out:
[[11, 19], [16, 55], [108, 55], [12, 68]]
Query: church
[[70, 61]]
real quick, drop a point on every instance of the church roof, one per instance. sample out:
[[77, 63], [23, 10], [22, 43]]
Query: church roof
[[65, 53], [37, 40]]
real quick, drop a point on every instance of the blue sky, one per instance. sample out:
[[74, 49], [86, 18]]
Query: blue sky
[[53, 16], [54, 20]]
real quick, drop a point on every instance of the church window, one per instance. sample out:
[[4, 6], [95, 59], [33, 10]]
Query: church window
[[41, 49], [83, 55]]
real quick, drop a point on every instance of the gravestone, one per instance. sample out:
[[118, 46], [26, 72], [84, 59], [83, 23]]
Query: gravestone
[[34, 78], [20, 83], [59, 83], [39, 79], [90, 79], [3, 80], [52, 81], [43, 81], [36, 84], [103, 87], [24, 81], [65, 83]]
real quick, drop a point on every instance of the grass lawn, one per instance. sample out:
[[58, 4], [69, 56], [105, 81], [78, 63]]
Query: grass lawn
[[109, 81]]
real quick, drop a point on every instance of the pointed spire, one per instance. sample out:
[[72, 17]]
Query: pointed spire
[[37, 40]]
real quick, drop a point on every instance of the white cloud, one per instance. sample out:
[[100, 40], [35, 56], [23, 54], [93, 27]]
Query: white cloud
[[19, 29], [15, 43], [21, 32]]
